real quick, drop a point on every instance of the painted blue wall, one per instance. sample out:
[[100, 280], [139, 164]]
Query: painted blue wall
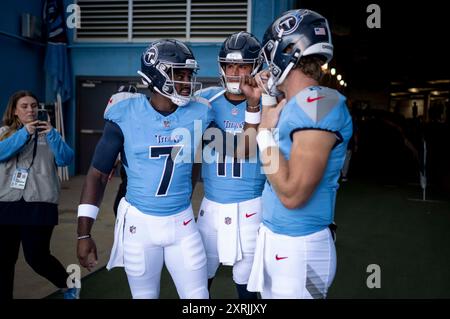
[[265, 11], [21, 62]]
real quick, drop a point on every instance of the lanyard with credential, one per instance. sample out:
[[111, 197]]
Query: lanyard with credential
[[20, 175], [34, 152]]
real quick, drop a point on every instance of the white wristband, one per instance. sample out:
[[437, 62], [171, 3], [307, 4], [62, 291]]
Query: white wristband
[[265, 139], [268, 100], [87, 210], [252, 117]]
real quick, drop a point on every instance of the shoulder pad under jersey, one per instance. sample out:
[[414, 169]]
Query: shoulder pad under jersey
[[210, 92], [318, 101], [120, 98], [201, 100]]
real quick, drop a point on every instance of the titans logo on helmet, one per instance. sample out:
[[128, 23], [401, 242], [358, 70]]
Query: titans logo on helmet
[[289, 24], [151, 56]]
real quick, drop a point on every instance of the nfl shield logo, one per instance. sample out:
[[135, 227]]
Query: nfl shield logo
[[234, 111], [166, 123], [133, 229], [227, 220], [202, 212]]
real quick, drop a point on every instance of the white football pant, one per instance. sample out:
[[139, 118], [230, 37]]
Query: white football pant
[[213, 219], [149, 241], [287, 267]]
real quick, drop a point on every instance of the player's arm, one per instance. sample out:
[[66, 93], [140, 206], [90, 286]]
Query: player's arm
[[107, 149], [246, 141], [294, 181]]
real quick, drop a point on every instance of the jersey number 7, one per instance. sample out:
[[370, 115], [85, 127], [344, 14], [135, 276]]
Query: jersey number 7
[[171, 152]]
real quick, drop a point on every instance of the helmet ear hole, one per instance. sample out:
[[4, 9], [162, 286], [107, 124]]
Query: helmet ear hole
[[167, 89], [288, 49]]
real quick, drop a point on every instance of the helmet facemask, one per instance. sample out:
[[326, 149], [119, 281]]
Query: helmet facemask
[[171, 73], [277, 74], [238, 49], [231, 82]]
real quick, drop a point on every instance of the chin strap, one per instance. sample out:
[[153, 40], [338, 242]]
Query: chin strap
[[233, 87], [145, 79], [217, 95], [176, 99]]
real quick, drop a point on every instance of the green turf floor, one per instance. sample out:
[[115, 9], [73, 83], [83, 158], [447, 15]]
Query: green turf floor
[[377, 224]]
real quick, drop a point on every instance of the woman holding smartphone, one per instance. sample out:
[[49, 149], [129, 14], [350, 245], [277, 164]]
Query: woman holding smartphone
[[30, 151]]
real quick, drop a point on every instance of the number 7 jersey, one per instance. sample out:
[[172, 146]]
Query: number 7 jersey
[[159, 150]]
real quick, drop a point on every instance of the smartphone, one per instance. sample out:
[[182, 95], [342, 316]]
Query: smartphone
[[42, 115]]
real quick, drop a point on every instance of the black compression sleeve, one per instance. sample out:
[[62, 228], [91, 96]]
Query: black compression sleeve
[[108, 147]]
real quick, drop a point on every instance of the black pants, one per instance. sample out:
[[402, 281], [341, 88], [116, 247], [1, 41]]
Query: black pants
[[36, 248]]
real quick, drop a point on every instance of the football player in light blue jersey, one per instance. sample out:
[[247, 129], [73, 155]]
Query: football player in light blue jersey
[[295, 255], [230, 212], [157, 140]]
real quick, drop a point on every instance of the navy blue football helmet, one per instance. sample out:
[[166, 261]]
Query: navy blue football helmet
[[160, 61], [240, 47], [293, 35]]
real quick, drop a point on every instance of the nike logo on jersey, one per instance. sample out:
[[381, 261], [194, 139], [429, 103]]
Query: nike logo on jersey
[[279, 258], [249, 215], [187, 222], [312, 99]]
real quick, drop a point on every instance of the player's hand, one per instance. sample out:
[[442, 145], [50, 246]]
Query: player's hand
[[262, 79], [87, 253], [250, 89], [271, 115]]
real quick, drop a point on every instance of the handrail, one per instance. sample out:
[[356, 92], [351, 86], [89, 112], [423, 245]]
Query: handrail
[[17, 37]]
